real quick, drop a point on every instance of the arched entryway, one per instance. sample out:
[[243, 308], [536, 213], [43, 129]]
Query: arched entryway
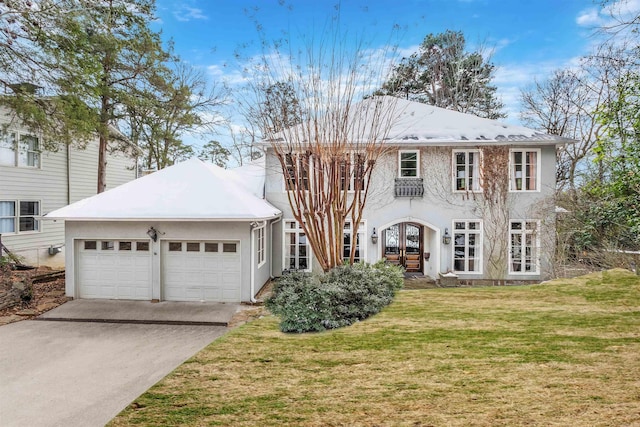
[[403, 245]]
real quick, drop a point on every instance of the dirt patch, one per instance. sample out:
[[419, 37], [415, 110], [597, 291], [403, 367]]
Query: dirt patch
[[47, 294]]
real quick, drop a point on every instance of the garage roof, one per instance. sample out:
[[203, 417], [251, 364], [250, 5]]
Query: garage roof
[[191, 190]]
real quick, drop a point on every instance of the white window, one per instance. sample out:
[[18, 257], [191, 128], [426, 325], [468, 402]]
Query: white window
[[409, 164], [467, 246], [7, 217], [22, 150], [352, 171], [297, 171], [25, 218], [466, 170], [8, 149], [348, 241], [524, 170], [297, 253], [523, 247], [261, 245]]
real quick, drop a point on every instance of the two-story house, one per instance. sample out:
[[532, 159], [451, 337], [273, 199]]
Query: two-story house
[[451, 193], [34, 182]]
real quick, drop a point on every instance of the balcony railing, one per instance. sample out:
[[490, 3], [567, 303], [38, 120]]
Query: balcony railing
[[409, 187]]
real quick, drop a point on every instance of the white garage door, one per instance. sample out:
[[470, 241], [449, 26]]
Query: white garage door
[[114, 269], [201, 271]]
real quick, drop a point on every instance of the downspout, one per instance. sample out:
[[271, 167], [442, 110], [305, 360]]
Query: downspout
[[68, 175], [272, 240]]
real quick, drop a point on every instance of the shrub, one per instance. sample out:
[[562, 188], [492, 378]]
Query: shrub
[[340, 297]]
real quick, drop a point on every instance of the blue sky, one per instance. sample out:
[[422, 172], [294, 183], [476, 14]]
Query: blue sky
[[529, 38]]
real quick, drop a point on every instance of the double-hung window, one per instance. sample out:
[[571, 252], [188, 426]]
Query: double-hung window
[[297, 253], [348, 242], [467, 246], [524, 170], [352, 172], [19, 216], [523, 247], [409, 164], [19, 150], [466, 167], [297, 170]]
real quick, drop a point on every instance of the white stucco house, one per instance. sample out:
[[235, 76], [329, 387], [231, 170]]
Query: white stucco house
[[195, 232], [34, 182]]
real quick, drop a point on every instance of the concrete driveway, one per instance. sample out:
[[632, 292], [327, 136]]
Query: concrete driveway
[[83, 374]]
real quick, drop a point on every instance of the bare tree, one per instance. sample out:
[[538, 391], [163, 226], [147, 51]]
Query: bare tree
[[337, 139]]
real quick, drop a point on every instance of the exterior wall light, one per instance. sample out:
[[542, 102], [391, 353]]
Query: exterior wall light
[[153, 234], [374, 236], [446, 239]]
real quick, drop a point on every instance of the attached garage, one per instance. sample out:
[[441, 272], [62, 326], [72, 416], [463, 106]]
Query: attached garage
[[190, 232], [114, 269], [201, 271]]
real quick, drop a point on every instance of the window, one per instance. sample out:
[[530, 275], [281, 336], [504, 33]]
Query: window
[[29, 151], [19, 150], [229, 247], [352, 172], [142, 246], [7, 149], [466, 170], [108, 245], [29, 213], [297, 171], [261, 245], [524, 170], [211, 247], [193, 247], [124, 246], [7, 217], [347, 242], [523, 247], [409, 164], [296, 248], [90, 245], [26, 218], [467, 247], [175, 246]]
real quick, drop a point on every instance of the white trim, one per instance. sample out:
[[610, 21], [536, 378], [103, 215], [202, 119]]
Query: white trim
[[476, 175], [400, 152], [523, 232], [16, 218], [479, 246], [538, 169]]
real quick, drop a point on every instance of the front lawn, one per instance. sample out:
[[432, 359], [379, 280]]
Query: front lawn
[[561, 353]]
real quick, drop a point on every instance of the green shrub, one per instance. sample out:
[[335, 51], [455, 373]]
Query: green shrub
[[340, 297]]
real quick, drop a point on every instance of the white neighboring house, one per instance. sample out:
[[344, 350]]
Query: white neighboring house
[[190, 232], [34, 182]]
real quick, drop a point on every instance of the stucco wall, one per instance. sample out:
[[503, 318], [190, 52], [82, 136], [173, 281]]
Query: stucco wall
[[438, 208]]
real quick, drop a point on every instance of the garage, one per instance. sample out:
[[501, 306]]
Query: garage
[[114, 269], [201, 271]]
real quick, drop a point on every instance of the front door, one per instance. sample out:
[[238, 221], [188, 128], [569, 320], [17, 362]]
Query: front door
[[403, 246]]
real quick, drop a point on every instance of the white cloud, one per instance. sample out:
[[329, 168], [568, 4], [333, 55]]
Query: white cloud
[[187, 13], [589, 18]]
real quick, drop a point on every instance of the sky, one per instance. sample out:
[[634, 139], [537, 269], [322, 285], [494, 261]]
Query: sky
[[529, 39]]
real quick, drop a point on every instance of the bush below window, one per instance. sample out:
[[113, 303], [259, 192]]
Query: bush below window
[[340, 297]]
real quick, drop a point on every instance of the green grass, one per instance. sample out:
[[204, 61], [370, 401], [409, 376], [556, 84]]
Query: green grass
[[565, 352]]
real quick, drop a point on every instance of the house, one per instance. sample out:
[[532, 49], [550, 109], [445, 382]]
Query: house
[[195, 232], [452, 193], [34, 182]]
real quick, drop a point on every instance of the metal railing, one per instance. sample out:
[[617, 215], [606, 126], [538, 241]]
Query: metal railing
[[409, 187]]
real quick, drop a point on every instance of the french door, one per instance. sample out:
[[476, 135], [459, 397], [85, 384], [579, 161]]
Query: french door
[[403, 246]]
